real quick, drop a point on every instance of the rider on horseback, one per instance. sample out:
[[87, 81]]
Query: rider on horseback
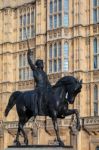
[[41, 79]]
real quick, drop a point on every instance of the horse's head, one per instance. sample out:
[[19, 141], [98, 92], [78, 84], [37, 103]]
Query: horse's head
[[72, 87], [72, 90]]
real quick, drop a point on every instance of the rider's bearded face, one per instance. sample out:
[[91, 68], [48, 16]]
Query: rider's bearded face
[[40, 65]]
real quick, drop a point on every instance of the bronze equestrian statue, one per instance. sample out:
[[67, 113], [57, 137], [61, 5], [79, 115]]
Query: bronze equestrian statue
[[45, 100]]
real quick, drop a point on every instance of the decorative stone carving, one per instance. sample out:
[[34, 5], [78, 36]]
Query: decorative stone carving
[[88, 41], [95, 29], [66, 30]]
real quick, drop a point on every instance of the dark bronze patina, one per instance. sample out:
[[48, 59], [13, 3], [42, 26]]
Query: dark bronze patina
[[45, 100], [41, 79]]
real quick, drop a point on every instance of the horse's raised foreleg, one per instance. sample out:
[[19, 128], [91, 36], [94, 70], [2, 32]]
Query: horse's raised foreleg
[[57, 131], [74, 111]]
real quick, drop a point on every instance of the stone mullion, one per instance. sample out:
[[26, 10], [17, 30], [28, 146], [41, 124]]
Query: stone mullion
[[31, 21], [26, 13], [22, 68], [18, 26], [52, 57], [22, 23], [57, 14], [75, 54], [53, 15], [47, 65], [92, 100], [98, 45], [62, 12], [18, 39], [48, 13], [79, 50], [34, 23], [62, 55]]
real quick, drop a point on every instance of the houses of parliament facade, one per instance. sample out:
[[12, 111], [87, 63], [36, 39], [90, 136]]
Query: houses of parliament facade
[[65, 34]]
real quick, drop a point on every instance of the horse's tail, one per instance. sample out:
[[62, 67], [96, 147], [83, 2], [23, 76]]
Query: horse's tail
[[12, 102]]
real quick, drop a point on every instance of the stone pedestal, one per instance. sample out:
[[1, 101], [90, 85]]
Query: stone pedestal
[[40, 147]]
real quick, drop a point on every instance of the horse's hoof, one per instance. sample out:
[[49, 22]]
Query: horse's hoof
[[61, 144], [17, 143]]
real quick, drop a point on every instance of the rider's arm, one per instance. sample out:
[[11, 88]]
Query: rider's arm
[[30, 61]]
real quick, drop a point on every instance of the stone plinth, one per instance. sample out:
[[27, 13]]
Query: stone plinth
[[40, 147]]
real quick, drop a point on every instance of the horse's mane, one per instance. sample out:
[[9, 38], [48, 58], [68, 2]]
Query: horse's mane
[[64, 80]]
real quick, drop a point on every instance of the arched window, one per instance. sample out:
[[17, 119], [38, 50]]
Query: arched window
[[55, 65], [95, 46], [66, 5], [66, 49], [51, 6], [55, 50], [94, 15], [55, 21], [55, 5], [24, 34], [59, 56], [50, 52], [60, 5], [66, 15], [95, 11], [20, 37], [32, 17], [95, 54], [27, 23], [28, 18], [51, 22], [25, 73], [95, 100], [59, 19], [55, 57], [24, 20], [94, 3], [59, 49], [55, 14], [20, 20]]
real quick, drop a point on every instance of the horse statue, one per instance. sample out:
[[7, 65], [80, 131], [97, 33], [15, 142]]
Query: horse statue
[[64, 91]]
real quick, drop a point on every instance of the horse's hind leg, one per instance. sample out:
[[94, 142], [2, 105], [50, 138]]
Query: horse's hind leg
[[57, 131], [22, 122], [16, 141], [20, 129]]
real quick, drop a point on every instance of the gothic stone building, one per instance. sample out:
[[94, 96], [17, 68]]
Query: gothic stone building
[[65, 34]]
